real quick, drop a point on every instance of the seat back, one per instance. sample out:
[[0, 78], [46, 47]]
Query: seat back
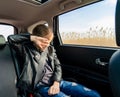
[[114, 64], [7, 71], [114, 73]]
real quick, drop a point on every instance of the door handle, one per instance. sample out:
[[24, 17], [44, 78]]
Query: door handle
[[100, 62]]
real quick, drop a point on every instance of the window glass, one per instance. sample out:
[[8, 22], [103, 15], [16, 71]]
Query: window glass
[[93, 25], [6, 30]]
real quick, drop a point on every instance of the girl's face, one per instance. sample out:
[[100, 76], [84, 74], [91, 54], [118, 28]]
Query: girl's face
[[49, 37]]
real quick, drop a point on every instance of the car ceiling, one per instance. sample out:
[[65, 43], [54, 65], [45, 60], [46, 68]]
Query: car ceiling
[[19, 13]]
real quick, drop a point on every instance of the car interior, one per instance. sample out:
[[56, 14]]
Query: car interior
[[7, 71], [97, 67], [114, 67]]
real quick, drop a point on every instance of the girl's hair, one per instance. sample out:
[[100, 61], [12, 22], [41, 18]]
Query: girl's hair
[[41, 30]]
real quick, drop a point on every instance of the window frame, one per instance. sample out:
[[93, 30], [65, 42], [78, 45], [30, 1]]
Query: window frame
[[56, 22]]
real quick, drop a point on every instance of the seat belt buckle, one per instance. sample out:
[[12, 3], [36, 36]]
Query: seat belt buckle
[[31, 95]]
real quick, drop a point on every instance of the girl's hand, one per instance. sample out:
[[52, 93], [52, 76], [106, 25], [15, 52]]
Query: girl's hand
[[40, 42], [54, 89]]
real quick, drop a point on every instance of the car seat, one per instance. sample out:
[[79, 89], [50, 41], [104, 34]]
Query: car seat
[[7, 71], [114, 73]]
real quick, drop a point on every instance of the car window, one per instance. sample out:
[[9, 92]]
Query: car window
[[92, 25], [6, 30]]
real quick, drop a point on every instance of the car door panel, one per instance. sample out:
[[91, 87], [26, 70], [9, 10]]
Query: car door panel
[[79, 64]]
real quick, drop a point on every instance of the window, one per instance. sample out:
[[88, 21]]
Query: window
[[6, 30], [36, 2], [92, 25]]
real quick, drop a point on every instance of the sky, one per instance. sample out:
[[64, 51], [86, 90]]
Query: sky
[[6, 30], [97, 14]]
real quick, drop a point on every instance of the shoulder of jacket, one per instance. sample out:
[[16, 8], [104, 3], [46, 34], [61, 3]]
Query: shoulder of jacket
[[51, 49]]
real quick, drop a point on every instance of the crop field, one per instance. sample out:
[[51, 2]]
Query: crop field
[[94, 37]]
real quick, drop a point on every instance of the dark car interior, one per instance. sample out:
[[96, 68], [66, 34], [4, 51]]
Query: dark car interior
[[95, 67], [7, 71], [114, 63]]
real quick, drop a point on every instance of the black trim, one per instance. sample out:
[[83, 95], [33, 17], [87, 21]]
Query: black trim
[[117, 22]]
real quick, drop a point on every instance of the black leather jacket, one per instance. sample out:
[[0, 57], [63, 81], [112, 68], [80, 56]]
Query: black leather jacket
[[29, 58]]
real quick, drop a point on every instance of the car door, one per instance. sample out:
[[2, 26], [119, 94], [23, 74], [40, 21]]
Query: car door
[[85, 41]]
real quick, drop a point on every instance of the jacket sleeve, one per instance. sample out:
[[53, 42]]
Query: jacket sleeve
[[18, 38], [57, 75], [58, 70], [15, 41]]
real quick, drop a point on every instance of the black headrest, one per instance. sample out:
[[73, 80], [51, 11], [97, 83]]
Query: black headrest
[[2, 41], [117, 22]]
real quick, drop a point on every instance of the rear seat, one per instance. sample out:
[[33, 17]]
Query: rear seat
[[7, 71]]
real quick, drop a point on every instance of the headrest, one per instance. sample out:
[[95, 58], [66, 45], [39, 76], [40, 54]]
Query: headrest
[[2, 41]]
